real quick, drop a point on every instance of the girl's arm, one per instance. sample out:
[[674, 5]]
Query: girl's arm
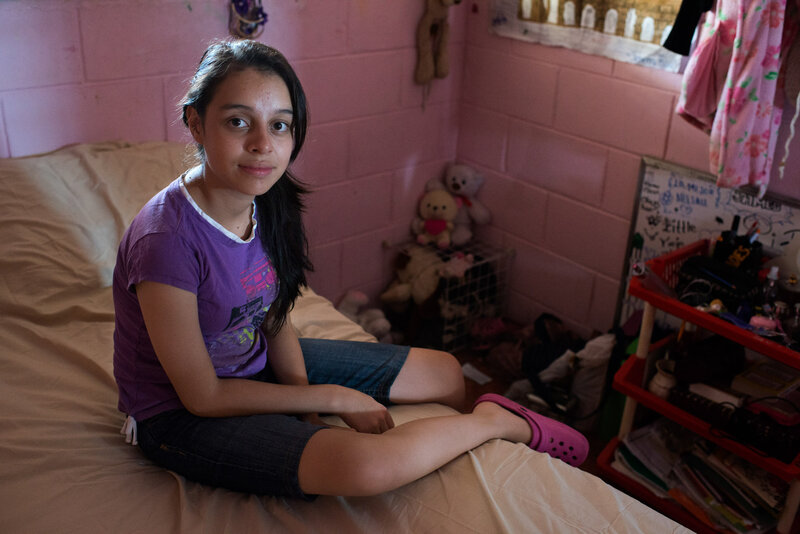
[[171, 317], [288, 364], [286, 357], [286, 360]]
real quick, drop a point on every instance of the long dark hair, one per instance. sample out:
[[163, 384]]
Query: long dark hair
[[279, 210]]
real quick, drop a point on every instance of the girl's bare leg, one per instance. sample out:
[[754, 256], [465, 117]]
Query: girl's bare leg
[[429, 376], [355, 464]]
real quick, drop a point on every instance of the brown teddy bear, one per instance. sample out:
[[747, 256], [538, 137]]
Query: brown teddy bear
[[432, 32], [437, 211]]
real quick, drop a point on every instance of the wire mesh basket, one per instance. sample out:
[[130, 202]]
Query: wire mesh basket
[[472, 290]]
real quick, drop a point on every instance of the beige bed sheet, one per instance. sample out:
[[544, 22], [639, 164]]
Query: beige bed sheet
[[64, 467]]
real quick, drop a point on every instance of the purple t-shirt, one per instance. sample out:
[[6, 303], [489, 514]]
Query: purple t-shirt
[[172, 242]]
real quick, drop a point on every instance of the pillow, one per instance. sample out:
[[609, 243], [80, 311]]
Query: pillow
[[63, 213], [129, 176], [315, 316]]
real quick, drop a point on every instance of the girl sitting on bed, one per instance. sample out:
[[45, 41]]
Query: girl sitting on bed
[[205, 357]]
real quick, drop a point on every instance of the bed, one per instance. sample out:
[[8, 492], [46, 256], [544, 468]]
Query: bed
[[65, 468]]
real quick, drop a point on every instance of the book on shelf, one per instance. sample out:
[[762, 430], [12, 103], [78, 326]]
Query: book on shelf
[[766, 378], [659, 445], [628, 464], [731, 502], [700, 502], [621, 467], [715, 486], [692, 506], [766, 488]]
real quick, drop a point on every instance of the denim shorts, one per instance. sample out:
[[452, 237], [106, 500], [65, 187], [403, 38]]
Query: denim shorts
[[261, 453]]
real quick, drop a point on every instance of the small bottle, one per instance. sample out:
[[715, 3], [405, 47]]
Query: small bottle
[[782, 312], [792, 325], [769, 293]]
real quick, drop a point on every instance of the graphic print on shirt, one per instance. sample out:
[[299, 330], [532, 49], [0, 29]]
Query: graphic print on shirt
[[259, 279], [240, 333], [253, 309]]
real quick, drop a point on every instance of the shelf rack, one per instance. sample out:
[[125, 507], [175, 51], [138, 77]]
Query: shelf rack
[[630, 381]]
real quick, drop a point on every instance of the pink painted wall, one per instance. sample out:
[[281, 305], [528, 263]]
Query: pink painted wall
[[560, 136], [558, 133], [114, 69]]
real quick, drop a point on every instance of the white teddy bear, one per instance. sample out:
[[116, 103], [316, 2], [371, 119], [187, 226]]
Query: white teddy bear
[[372, 320], [463, 182]]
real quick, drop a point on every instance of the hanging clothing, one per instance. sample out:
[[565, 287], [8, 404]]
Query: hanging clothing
[[680, 37], [708, 66], [730, 88], [791, 79]]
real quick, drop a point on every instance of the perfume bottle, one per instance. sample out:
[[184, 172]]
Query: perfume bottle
[[792, 325], [769, 292]]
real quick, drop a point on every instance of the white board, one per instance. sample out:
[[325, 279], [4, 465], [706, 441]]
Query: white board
[[677, 206]]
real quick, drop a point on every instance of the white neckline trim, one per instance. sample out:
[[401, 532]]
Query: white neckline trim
[[214, 223]]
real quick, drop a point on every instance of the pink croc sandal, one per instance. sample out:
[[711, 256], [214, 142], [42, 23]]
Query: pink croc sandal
[[556, 439]]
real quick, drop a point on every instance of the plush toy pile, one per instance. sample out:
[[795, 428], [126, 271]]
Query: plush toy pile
[[435, 221], [439, 281]]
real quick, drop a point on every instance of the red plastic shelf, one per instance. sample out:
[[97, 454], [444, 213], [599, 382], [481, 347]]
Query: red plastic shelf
[[627, 380], [667, 266]]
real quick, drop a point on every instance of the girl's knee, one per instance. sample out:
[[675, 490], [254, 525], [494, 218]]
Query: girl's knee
[[452, 377], [350, 466], [430, 376], [373, 476]]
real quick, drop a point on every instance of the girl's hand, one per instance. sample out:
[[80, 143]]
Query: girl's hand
[[364, 414]]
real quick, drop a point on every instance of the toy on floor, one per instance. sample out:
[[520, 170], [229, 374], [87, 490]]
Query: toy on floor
[[463, 182], [437, 211], [432, 33], [372, 320]]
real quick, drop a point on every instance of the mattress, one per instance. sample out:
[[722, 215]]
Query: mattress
[[64, 467]]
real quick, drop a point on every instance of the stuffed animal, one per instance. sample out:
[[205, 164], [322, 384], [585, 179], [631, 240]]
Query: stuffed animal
[[457, 265], [432, 33], [463, 182], [437, 211], [416, 278], [372, 320]]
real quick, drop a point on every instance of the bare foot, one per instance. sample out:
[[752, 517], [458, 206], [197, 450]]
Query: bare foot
[[510, 426]]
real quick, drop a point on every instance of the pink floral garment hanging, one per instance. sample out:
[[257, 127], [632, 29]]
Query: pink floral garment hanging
[[708, 66], [740, 43]]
